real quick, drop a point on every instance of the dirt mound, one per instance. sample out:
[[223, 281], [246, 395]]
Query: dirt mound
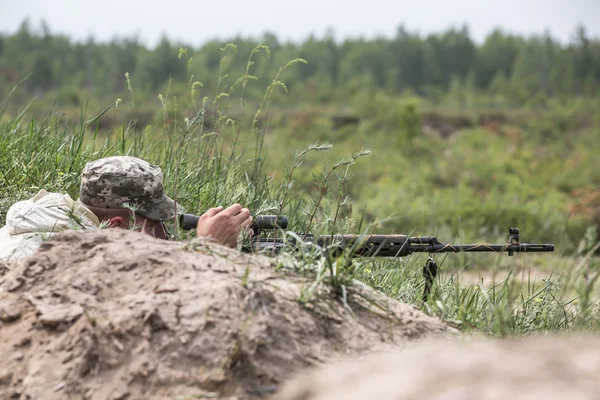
[[115, 314], [548, 368]]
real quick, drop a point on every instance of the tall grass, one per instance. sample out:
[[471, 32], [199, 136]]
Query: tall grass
[[204, 167]]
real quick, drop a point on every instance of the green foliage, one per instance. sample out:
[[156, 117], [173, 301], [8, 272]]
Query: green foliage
[[409, 121], [457, 172], [448, 61]]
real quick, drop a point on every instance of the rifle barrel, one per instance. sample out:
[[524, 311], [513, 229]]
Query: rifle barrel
[[402, 245], [482, 247]]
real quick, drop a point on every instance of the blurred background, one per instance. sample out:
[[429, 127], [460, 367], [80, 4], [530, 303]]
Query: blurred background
[[479, 115]]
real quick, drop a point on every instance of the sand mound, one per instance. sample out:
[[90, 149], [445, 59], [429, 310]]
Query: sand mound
[[549, 368], [118, 315]]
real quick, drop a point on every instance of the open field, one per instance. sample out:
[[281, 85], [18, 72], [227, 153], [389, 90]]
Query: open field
[[395, 136], [466, 184]]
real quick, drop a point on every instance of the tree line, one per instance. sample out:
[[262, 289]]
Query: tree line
[[514, 67]]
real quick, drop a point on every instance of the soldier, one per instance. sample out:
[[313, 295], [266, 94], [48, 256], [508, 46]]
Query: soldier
[[110, 188]]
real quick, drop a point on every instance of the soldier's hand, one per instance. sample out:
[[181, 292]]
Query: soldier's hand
[[224, 225]]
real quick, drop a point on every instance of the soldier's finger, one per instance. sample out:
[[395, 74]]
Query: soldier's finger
[[242, 216], [233, 209], [213, 211], [246, 223]]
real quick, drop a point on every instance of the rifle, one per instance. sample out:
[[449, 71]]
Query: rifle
[[372, 245]]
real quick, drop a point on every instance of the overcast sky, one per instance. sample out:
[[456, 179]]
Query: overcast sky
[[197, 21]]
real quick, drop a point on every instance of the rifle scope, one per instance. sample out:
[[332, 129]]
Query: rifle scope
[[260, 222]]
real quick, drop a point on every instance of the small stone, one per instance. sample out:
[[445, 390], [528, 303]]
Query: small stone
[[120, 395], [23, 342], [14, 284], [17, 356], [84, 285], [10, 311], [121, 392], [33, 270], [54, 315], [5, 377]]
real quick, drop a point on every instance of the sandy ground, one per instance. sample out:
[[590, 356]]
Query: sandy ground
[[118, 315], [548, 368]]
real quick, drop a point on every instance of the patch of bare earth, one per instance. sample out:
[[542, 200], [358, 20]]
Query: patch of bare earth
[[115, 314], [548, 368]]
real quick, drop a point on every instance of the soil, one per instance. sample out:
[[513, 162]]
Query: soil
[[549, 368], [114, 314]]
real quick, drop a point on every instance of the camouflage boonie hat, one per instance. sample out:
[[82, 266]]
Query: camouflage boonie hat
[[112, 182]]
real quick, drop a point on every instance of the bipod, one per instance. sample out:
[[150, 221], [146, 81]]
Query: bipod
[[430, 270]]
